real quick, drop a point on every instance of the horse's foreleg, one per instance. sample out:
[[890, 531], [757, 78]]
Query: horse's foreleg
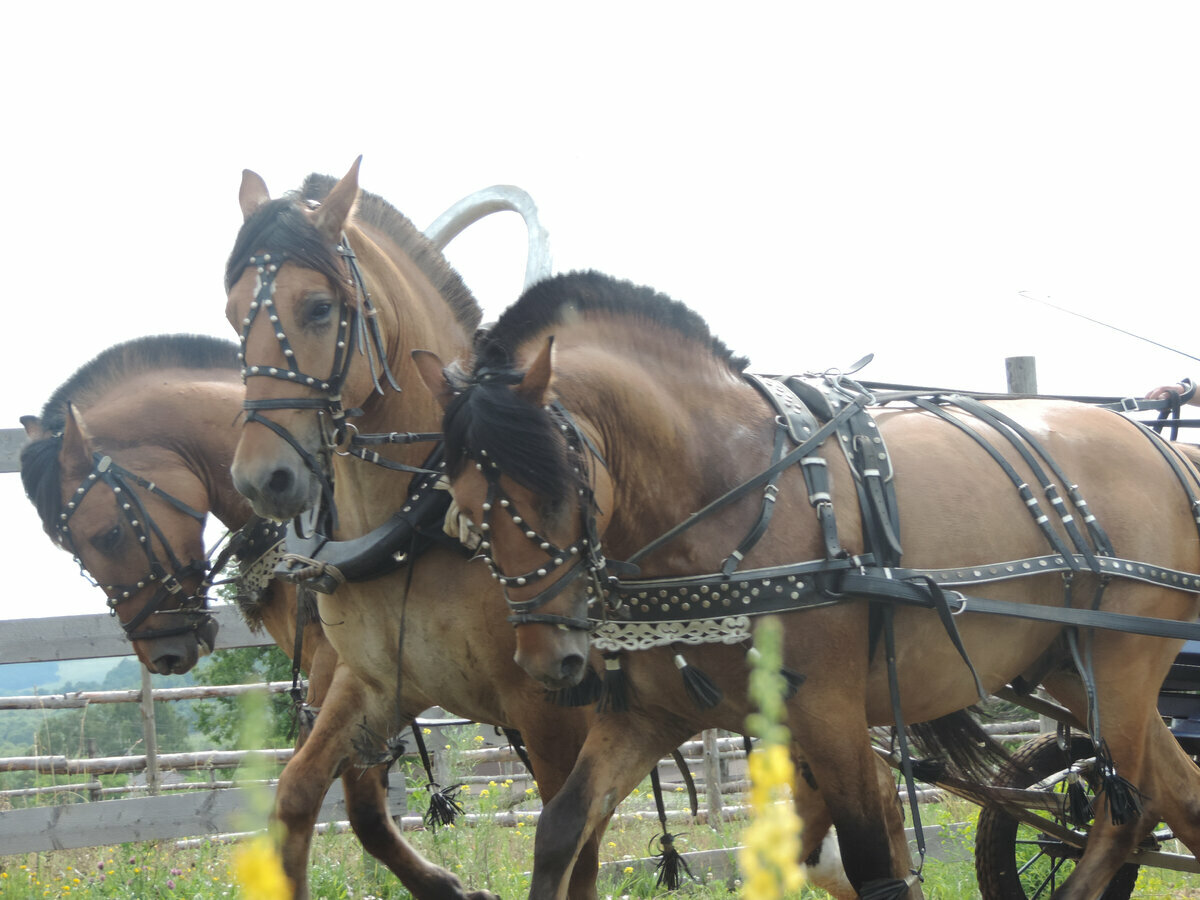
[[609, 767], [366, 806], [553, 755], [819, 851], [861, 799]]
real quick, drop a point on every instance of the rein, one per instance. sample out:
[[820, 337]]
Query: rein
[[121, 481]]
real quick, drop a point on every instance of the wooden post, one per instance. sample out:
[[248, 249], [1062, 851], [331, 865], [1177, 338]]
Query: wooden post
[[1022, 374], [712, 777], [150, 733]]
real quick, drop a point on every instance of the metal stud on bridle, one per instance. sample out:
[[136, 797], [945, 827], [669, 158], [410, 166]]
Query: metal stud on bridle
[[169, 581]]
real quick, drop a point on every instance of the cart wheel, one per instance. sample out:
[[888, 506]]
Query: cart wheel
[[1014, 861]]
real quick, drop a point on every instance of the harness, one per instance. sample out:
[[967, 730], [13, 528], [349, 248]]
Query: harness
[[168, 578]]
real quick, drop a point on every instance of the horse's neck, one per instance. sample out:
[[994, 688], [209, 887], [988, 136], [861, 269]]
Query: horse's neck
[[202, 431], [670, 445], [413, 316]]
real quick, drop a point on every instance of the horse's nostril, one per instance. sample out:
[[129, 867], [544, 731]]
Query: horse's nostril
[[572, 665], [280, 481]]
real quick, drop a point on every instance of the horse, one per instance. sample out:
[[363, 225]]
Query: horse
[[160, 411], [637, 491], [425, 633]]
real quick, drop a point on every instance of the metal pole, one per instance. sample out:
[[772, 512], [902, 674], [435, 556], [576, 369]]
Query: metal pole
[[712, 777], [150, 733]]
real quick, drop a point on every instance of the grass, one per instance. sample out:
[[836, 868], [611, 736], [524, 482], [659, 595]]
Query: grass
[[484, 856]]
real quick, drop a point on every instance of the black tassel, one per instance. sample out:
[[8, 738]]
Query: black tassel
[[1123, 799], [444, 807], [792, 678], [1079, 805], [928, 770], [587, 692], [614, 692], [671, 866], [704, 693]]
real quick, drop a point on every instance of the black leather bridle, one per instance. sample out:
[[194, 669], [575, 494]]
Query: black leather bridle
[[167, 577], [358, 329], [583, 558]]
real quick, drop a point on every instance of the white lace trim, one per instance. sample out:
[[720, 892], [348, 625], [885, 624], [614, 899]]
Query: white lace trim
[[614, 636]]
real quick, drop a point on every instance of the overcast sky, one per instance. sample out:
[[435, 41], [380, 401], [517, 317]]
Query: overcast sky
[[821, 181]]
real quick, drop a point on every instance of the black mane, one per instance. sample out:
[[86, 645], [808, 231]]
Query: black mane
[[279, 226], [487, 420], [547, 302], [40, 471]]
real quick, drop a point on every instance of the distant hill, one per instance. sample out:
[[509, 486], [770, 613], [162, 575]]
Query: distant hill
[[49, 677]]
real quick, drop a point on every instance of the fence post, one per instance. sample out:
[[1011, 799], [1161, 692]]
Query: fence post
[[150, 733], [1022, 374], [712, 777]]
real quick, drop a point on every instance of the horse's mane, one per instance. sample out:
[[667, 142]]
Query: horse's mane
[[280, 226], [40, 471], [581, 293], [525, 442]]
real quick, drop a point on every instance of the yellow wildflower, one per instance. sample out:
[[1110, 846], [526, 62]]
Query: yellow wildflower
[[259, 871]]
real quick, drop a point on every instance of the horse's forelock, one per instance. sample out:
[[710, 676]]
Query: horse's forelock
[[488, 421], [280, 227], [41, 476]]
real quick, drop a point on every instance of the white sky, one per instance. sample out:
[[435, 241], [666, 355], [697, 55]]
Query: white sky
[[820, 181]]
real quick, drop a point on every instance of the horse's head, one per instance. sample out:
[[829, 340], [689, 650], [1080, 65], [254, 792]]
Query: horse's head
[[527, 475], [312, 346], [136, 528]]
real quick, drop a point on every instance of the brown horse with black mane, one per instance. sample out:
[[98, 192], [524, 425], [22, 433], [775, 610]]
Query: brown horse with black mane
[[152, 422], [597, 410]]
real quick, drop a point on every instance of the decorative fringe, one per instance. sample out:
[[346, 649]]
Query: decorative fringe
[[444, 807], [1123, 799], [587, 692], [671, 866], [1079, 806], [614, 692], [704, 693]]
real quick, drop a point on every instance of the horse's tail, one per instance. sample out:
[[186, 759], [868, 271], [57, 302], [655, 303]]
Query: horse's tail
[[962, 749]]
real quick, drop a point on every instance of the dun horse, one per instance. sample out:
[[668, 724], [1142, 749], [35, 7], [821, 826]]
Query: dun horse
[[595, 409], [152, 421], [426, 633]]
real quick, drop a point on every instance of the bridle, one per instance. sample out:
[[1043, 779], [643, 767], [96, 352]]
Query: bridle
[[358, 329], [583, 558], [192, 608]]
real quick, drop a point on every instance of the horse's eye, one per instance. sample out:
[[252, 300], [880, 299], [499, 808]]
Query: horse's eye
[[318, 311], [107, 541]]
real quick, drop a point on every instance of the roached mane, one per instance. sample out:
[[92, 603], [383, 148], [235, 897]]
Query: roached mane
[[280, 226], [526, 442], [40, 471]]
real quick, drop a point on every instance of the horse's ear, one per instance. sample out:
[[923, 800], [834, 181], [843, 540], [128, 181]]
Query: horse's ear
[[433, 373], [535, 386], [76, 452], [331, 216], [34, 429], [253, 193]]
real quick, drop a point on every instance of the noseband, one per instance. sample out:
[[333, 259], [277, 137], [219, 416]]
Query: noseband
[[358, 329], [586, 555], [191, 608]]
